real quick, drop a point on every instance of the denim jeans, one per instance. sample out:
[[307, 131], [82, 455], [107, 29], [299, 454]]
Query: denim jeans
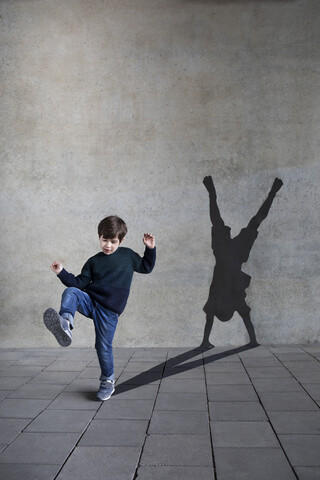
[[105, 323]]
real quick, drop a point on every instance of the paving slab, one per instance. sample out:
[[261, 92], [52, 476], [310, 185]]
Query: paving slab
[[295, 357], [261, 361], [268, 372], [118, 409], [302, 366], [22, 408], [302, 450], [11, 383], [43, 361], [224, 367], [236, 411], [193, 450], [75, 401], [40, 448], [10, 428], [227, 378], [232, 393], [276, 385], [313, 390], [296, 422], [136, 392], [287, 401], [94, 462], [69, 421], [66, 366], [41, 392], [180, 372], [181, 401], [21, 371], [252, 464], [28, 472], [83, 385], [138, 378], [115, 433], [5, 394], [175, 473], [179, 423], [308, 473], [186, 385], [138, 366], [243, 434], [307, 377], [57, 378]]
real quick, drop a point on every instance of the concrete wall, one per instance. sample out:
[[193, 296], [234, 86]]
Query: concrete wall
[[122, 107]]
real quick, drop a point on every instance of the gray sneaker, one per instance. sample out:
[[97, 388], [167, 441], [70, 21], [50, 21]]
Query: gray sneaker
[[106, 389], [58, 326]]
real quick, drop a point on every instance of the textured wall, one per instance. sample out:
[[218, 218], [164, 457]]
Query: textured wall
[[122, 107]]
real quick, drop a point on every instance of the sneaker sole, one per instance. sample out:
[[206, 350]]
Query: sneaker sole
[[102, 399], [51, 320]]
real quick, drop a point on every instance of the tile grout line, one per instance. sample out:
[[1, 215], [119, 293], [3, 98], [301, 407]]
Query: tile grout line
[[214, 467]]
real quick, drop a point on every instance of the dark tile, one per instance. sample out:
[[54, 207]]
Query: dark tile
[[177, 450], [57, 378], [274, 385], [179, 423], [96, 462], [131, 378], [41, 392], [138, 392], [40, 448], [186, 385], [295, 367], [302, 450], [28, 472], [21, 371], [10, 428], [313, 390], [181, 401], [307, 377], [216, 378], [236, 411], [180, 372], [11, 383], [70, 421], [5, 394], [231, 393], [287, 401], [261, 362], [138, 366], [226, 367], [115, 433], [268, 372], [296, 422], [252, 464], [175, 473], [116, 408], [308, 473], [83, 385], [22, 408], [66, 366], [74, 400], [295, 357], [243, 434]]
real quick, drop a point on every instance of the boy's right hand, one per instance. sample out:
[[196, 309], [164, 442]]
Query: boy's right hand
[[56, 267]]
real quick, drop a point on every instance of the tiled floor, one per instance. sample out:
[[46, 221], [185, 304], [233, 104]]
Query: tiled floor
[[188, 414]]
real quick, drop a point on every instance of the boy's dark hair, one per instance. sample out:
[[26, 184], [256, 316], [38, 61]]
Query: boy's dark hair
[[112, 227]]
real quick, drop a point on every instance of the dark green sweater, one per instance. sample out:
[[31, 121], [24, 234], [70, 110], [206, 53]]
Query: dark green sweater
[[107, 278]]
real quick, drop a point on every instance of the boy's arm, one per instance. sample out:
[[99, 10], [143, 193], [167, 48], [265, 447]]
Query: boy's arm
[[265, 207], [69, 280], [147, 262], [215, 216]]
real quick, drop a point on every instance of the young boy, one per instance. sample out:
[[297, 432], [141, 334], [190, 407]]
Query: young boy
[[100, 292]]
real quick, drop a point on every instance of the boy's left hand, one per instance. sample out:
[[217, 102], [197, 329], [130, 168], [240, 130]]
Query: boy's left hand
[[149, 240]]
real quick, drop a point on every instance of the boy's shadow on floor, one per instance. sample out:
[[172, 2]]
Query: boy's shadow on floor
[[176, 365]]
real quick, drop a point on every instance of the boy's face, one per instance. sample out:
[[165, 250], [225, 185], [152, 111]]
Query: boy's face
[[109, 245]]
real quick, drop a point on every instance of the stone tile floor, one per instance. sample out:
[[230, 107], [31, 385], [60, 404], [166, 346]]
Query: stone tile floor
[[224, 414]]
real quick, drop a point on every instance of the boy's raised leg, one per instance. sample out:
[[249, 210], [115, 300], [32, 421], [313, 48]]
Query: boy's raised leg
[[58, 326]]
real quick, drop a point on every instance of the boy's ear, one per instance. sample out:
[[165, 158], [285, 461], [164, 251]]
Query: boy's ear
[[122, 241]]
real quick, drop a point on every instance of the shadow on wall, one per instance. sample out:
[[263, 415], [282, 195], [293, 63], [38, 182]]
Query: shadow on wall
[[227, 291]]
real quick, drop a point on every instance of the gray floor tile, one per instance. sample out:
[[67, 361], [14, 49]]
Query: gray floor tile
[[28, 472], [286, 348], [6, 363], [136, 366], [313, 390], [186, 385], [181, 401], [236, 411], [295, 357], [21, 371], [22, 408], [229, 367], [118, 409], [83, 385], [41, 392], [137, 378], [94, 462], [231, 393], [10, 428], [138, 392], [75, 401], [177, 372], [296, 422], [43, 361], [276, 385], [11, 355], [227, 378], [152, 352], [295, 367], [252, 464], [193, 450], [11, 383], [70, 421], [66, 366], [308, 473], [268, 372], [179, 423], [57, 378], [115, 433], [243, 434], [261, 362], [307, 377], [287, 401], [5, 394], [40, 448], [260, 351], [175, 473], [302, 450]]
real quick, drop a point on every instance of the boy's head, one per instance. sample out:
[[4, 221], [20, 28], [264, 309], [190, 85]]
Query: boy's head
[[111, 231]]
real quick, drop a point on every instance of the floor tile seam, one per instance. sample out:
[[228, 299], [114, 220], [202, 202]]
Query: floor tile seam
[[311, 354], [214, 466], [135, 475]]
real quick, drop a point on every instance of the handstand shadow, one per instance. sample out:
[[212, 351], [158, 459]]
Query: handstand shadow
[[176, 365]]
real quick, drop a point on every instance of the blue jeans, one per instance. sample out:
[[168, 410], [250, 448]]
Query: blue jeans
[[105, 323]]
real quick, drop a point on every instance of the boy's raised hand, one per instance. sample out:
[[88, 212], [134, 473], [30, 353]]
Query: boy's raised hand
[[56, 267], [149, 240]]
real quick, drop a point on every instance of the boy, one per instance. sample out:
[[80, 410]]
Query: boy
[[100, 292]]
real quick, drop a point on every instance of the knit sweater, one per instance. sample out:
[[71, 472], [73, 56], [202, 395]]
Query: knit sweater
[[107, 278]]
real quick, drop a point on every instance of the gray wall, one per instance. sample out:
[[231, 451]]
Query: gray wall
[[122, 107]]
